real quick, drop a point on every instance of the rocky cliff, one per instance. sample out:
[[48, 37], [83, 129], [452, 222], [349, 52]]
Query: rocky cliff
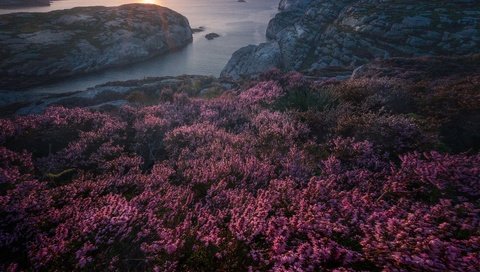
[[40, 47], [314, 35]]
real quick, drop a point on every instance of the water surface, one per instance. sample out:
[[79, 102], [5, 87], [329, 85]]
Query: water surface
[[238, 23]]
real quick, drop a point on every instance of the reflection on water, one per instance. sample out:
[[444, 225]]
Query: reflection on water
[[238, 24]]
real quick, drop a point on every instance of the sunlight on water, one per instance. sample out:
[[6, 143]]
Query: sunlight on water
[[156, 2]]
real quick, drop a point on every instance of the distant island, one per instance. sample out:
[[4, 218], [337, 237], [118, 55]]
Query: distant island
[[15, 3]]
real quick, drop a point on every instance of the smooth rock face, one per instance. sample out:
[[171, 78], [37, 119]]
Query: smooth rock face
[[314, 35], [40, 47], [252, 60]]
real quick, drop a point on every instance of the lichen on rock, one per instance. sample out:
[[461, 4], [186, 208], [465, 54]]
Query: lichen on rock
[[315, 35], [39, 47]]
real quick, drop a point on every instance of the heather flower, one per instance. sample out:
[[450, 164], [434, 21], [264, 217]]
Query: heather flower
[[237, 182], [264, 92]]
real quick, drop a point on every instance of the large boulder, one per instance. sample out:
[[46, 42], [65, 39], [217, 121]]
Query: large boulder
[[40, 47], [252, 60], [314, 35]]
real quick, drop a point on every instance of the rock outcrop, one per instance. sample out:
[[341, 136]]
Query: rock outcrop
[[212, 36], [313, 35], [40, 47], [251, 60], [146, 91]]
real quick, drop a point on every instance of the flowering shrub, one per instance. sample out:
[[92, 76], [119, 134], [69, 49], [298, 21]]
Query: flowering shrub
[[395, 134], [236, 182]]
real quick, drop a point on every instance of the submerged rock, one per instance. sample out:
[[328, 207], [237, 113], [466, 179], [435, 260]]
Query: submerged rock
[[315, 35], [211, 36], [40, 47], [198, 29]]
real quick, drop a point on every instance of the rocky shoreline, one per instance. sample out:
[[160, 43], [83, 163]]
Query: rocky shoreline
[[312, 36], [115, 94], [36, 48], [323, 39], [149, 91]]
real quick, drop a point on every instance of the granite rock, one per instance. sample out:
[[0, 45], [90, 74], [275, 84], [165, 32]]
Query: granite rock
[[39, 47], [314, 35]]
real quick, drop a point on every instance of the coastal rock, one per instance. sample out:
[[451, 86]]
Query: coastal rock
[[146, 91], [292, 4], [251, 60], [211, 36], [39, 47], [314, 36], [198, 29]]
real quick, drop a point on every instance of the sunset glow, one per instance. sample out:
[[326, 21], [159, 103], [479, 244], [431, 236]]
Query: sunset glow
[[156, 2]]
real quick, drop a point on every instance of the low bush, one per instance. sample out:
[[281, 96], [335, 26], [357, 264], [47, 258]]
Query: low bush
[[286, 175]]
